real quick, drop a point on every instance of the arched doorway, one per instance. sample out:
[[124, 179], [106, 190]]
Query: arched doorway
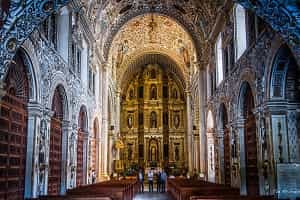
[[252, 179], [82, 130], [13, 131], [226, 142], [55, 159]]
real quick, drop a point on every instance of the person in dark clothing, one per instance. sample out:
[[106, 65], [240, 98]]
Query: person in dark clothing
[[141, 180], [158, 188], [163, 181]]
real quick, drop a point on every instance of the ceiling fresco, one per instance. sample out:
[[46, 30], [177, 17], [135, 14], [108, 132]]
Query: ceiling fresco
[[148, 33]]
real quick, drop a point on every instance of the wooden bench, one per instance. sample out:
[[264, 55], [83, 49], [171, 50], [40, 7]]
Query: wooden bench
[[184, 189], [108, 190], [116, 190]]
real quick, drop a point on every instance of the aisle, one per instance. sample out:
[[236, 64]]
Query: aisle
[[152, 196]]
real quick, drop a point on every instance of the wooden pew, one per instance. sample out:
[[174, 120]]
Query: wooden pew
[[183, 189], [108, 190], [116, 190]]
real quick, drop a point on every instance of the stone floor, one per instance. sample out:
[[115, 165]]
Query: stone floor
[[152, 196]]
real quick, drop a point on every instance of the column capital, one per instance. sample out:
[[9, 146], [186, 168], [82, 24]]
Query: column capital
[[35, 109]]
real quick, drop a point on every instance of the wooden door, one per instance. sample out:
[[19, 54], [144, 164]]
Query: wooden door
[[227, 157], [251, 147], [55, 159], [13, 132], [79, 169]]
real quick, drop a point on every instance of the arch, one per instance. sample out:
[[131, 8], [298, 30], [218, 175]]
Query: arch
[[164, 12], [283, 81], [13, 128], [82, 132], [56, 148], [137, 63], [284, 88], [249, 143]]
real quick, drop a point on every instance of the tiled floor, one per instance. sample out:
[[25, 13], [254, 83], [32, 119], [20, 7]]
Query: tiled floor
[[153, 196]]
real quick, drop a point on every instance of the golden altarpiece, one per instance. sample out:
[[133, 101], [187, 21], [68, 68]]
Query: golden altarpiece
[[153, 120]]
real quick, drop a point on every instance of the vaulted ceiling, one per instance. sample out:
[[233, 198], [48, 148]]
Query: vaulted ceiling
[[197, 17]]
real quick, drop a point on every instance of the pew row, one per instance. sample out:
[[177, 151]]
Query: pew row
[[186, 189]]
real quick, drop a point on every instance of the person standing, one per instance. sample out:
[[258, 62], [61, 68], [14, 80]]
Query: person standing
[[163, 181], [150, 180], [158, 186], [141, 180]]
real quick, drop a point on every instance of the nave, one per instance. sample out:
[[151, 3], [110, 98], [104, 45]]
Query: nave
[[97, 94]]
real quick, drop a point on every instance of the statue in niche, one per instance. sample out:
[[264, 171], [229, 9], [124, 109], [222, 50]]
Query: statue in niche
[[121, 51], [129, 121], [131, 94], [184, 53], [153, 94], [176, 153], [42, 143], [175, 94], [153, 119], [153, 154], [176, 120]]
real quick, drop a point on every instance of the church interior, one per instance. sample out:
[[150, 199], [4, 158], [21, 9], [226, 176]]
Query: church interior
[[95, 91]]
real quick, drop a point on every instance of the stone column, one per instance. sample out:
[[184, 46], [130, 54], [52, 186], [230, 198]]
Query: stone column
[[105, 123], [202, 121], [72, 152], [66, 129], [86, 170], [190, 150], [240, 124], [32, 155], [118, 119], [44, 153], [221, 156]]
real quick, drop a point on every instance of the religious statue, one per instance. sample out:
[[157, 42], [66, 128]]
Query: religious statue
[[153, 120], [153, 94], [131, 94], [121, 51], [129, 121], [176, 120], [184, 53], [153, 154], [175, 94]]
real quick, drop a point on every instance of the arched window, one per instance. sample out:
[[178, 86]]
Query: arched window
[[240, 33], [219, 59]]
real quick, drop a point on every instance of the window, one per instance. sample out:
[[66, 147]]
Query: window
[[219, 60], [240, 31], [49, 29]]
